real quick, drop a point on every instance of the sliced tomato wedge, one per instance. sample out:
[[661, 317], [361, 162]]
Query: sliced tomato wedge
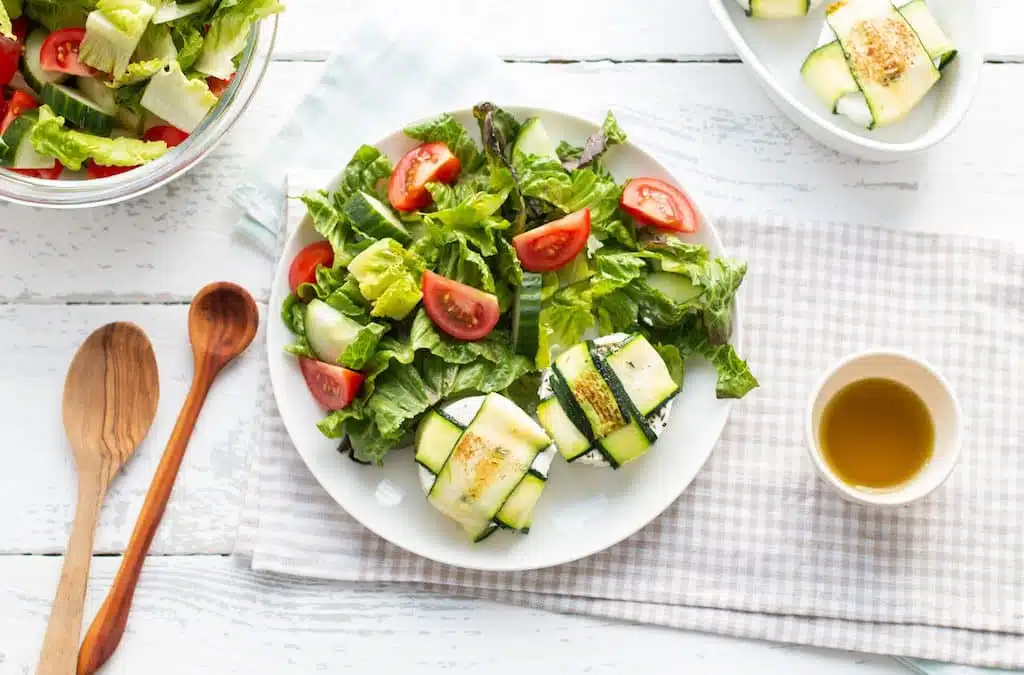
[[60, 52], [652, 201], [218, 86], [20, 28], [551, 246], [426, 163], [333, 387], [19, 103], [94, 170], [172, 136], [10, 59], [303, 267], [464, 312], [49, 174]]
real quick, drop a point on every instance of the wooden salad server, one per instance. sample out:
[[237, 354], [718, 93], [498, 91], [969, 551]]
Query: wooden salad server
[[222, 322], [110, 400]]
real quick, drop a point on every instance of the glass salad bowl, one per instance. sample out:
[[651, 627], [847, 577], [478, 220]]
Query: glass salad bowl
[[73, 190]]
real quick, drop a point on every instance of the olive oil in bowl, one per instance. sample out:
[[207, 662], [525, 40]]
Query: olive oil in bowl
[[876, 433]]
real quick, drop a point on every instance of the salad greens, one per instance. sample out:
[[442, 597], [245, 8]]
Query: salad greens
[[375, 263], [145, 71]]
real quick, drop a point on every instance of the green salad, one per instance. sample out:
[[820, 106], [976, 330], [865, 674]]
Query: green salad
[[111, 85], [466, 268]]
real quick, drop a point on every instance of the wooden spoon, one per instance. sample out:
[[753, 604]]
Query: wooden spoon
[[221, 323], [110, 399]]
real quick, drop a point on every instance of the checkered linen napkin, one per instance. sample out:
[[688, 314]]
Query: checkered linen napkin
[[757, 546]]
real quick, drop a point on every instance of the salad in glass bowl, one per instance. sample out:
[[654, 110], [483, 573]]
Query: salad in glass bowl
[[103, 87]]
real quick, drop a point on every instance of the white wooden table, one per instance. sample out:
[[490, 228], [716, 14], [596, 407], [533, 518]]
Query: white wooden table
[[679, 89]]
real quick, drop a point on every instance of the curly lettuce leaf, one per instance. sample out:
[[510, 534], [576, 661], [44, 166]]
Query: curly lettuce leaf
[[229, 32], [112, 33], [448, 130], [389, 276], [368, 170], [72, 148]]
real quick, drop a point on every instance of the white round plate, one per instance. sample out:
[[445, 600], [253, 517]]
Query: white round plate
[[584, 509]]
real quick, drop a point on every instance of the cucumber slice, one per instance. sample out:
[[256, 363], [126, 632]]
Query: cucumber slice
[[643, 375], [569, 440], [675, 287], [491, 457], [590, 389], [99, 94], [375, 219], [35, 75], [534, 140], [78, 110], [778, 9], [526, 321], [939, 46], [887, 58], [328, 331], [517, 511], [20, 153], [436, 437]]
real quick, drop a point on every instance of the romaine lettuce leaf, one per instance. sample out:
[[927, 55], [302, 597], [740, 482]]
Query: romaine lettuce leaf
[[333, 226], [172, 96], [156, 43], [564, 317], [229, 31], [363, 347], [72, 148], [446, 129], [389, 276], [14, 8], [188, 40], [57, 14], [6, 29], [137, 72], [173, 11], [367, 170], [112, 33], [495, 347]]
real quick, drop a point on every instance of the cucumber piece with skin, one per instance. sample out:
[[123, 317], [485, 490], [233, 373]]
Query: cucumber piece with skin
[[328, 331], [375, 219], [436, 436], [675, 287], [78, 110], [517, 511], [526, 322], [32, 69], [21, 153], [569, 440], [534, 140], [99, 94], [887, 58]]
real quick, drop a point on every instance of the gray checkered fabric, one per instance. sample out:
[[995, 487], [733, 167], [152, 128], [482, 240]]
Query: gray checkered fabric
[[758, 546]]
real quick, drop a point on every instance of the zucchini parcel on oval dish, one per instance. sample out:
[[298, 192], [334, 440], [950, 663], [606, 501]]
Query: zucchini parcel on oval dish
[[778, 9], [606, 401], [875, 62], [483, 462]]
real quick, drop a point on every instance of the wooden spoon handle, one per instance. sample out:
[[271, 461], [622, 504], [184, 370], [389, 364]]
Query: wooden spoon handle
[[108, 626], [60, 645]]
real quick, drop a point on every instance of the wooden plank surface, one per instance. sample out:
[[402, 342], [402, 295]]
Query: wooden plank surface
[[710, 122], [202, 615], [579, 29]]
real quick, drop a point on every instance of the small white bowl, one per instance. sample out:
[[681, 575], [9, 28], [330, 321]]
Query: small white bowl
[[926, 382], [774, 49]]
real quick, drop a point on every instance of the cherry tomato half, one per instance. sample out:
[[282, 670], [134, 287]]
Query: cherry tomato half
[[19, 103], [426, 163], [333, 387], [303, 267], [464, 312], [10, 59], [49, 174], [218, 86], [59, 52], [551, 246], [652, 201], [172, 136]]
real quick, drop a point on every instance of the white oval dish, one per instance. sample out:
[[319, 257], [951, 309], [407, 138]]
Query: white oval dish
[[582, 511], [775, 49]]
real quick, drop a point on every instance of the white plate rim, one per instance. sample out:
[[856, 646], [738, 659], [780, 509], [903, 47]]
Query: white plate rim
[[351, 507]]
